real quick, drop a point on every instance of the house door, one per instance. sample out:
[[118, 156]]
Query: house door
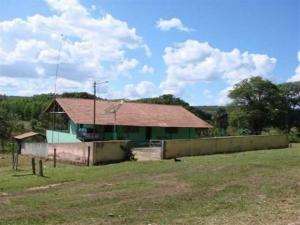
[[148, 133]]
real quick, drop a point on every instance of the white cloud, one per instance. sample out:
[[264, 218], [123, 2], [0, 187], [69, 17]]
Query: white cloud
[[92, 48], [40, 71], [296, 76], [192, 62], [93, 7], [30, 86], [222, 98], [207, 93], [140, 90], [127, 65], [147, 69], [173, 23], [69, 7], [7, 81]]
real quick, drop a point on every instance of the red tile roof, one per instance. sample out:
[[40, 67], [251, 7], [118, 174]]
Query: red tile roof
[[80, 111]]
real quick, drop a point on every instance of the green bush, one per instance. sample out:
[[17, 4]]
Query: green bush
[[127, 148], [294, 137]]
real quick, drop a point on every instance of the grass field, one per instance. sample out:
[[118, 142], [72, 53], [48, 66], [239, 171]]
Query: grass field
[[259, 187]]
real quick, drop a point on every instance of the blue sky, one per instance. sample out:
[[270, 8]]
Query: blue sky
[[196, 50]]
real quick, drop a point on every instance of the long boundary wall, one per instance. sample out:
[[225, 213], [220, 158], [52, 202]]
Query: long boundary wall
[[113, 151], [205, 146]]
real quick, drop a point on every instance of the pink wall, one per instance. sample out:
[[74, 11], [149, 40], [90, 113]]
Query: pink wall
[[74, 152]]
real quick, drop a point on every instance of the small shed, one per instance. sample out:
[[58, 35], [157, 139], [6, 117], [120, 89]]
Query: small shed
[[28, 137]]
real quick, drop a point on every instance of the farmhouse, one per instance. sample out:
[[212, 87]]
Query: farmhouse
[[121, 120], [118, 120]]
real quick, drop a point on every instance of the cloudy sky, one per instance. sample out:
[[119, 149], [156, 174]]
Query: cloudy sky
[[196, 50]]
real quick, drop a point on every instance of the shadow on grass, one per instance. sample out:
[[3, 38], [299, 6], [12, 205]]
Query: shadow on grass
[[28, 174], [22, 175]]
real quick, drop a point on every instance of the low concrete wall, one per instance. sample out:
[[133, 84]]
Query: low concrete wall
[[204, 146], [35, 149], [72, 152], [147, 153], [100, 152], [109, 151]]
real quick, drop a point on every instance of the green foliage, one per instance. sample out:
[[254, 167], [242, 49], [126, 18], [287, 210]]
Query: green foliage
[[32, 108], [221, 121], [9, 125], [257, 99], [259, 104], [77, 95], [127, 148], [294, 135], [288, 112]]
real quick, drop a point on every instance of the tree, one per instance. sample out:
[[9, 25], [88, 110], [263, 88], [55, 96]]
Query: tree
[[9, 124], [288, 111], [259, 101], [77, 95], [221, 121], [4, 131]]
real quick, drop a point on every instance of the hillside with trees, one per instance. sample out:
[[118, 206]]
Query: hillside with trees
[[257, 106]]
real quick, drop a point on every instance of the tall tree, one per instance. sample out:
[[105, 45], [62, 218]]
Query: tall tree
[[259, 101], [288, 113], [221, 121], [4, 132], [9, 124]]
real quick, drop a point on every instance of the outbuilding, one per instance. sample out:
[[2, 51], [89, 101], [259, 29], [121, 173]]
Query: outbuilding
[[31, 137]]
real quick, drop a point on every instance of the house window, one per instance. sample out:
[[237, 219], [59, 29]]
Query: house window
[[108, 129], [89, 130], [172, 130], [199, 131], [131, 129]]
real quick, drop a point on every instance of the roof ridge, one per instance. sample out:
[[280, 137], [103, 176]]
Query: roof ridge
[[116, 101], [154, 104]]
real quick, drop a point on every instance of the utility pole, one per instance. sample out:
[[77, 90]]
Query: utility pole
[[94, 121], [94, 115]]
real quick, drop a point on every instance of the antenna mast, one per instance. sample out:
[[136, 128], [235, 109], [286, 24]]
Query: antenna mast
[[57, 65], [55, 86]]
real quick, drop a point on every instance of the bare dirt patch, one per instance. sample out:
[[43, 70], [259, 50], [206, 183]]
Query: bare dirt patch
[[40, 188], [4, 198]]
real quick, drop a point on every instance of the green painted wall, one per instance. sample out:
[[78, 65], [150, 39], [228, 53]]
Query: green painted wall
[[161, 133], [137, 134], [72, 127], [60, 137]]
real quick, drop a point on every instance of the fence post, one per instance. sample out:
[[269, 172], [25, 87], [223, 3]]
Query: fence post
[[41, 173], [16, 161], [162, 150], [54, 158], [88, 156], [13, 158], [33, 165]]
